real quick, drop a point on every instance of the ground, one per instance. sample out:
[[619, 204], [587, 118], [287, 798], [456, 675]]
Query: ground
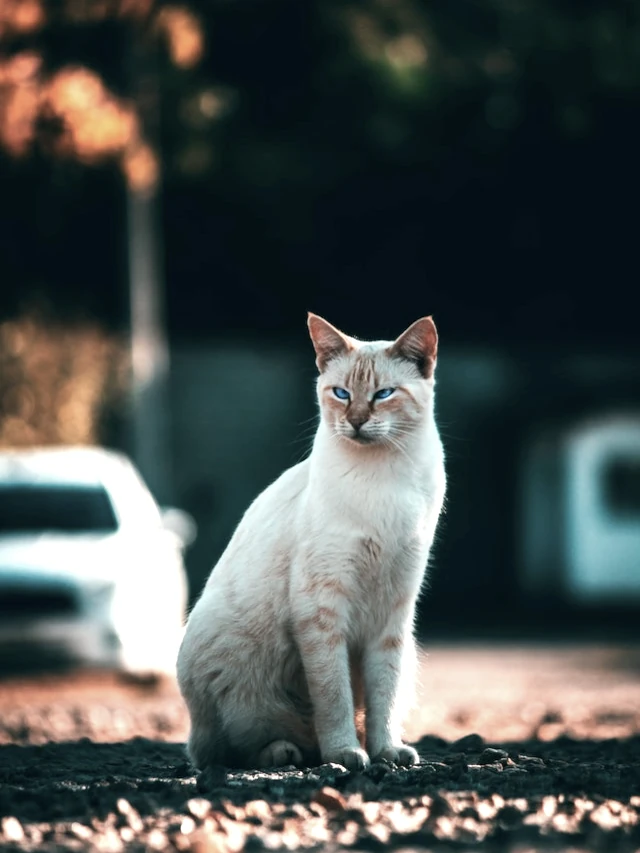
[[522, 748]]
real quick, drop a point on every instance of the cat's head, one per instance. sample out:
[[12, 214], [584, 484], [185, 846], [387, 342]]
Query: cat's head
[[375, 392]]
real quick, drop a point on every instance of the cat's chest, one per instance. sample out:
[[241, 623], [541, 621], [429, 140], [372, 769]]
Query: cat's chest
[[369, 542], [383, 563], [376, 519], [376, 577]]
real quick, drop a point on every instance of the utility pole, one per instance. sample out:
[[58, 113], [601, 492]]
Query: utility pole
[[150, 420]]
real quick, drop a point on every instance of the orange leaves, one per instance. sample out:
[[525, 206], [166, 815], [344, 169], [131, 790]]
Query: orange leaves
[[92, 124], [184, 35], [20, 17], [83, 119], [95, 123]]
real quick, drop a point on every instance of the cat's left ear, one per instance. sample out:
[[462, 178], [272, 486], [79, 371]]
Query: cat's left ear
[[328, 341], [419, 344]]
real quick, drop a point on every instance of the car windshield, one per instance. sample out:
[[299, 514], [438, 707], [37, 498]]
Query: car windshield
[[69, 509]]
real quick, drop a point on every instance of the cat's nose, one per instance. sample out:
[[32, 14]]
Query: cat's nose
[[357, 421]]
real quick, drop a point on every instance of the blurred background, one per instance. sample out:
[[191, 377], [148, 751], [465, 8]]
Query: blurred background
[[182, 182]]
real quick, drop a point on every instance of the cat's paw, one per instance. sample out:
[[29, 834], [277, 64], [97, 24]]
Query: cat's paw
[[280, 753], [403, 756], [351, 757]]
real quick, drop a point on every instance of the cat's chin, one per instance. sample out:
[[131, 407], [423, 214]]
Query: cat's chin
[[363, 440]]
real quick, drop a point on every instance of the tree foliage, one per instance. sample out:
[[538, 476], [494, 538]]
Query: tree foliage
[[280, 123]]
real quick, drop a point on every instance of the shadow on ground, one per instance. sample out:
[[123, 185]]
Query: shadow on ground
[[561, 791], [526, 747]]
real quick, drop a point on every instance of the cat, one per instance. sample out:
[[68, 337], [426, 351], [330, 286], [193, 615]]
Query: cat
[[308, 615]]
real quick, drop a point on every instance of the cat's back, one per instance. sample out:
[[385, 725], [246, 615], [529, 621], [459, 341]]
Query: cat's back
[[278, 503], [265, 532]]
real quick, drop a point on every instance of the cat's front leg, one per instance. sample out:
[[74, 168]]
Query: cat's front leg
[[389, 665], [325, 658]]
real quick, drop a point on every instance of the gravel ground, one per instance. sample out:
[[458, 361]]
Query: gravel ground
[[521, 748]]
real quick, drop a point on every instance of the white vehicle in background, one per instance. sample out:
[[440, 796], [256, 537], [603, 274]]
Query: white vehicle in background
[[90, 568]]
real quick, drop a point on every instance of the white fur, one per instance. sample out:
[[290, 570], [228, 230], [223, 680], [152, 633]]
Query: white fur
[[316, 591]]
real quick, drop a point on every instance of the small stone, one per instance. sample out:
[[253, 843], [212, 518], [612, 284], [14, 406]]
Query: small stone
[[259, 809], [199, 807], [181, 842], [130, 814], [371, 812], [331, 769], [110, 841], [187, 826], [330, 799], [530, 760], [81, 831], [468, 743], [12, 829], [157, 840], [431, 743], [491, 755]]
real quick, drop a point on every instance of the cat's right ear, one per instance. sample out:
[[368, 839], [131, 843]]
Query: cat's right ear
[[328, 341], [419, 344]]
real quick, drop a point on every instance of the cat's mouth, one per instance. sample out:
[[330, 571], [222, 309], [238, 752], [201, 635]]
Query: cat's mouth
[[359, 438]]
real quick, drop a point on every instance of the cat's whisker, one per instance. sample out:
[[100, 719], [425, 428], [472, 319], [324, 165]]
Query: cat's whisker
[[337, 435], [399, 433], [304, 437], [313, 419], [402, 451], [303, 455], [310, 428], [398, 446]]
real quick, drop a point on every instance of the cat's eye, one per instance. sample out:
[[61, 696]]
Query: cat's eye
[[383, 393], [341, 393]]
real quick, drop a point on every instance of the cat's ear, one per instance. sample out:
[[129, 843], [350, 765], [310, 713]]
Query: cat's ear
[[328, 341], [419, 344]]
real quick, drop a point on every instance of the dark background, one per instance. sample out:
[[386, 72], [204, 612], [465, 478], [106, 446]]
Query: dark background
[[372, 162]]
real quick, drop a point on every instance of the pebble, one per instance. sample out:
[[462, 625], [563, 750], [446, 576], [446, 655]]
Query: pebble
[[81, 831], [330, 769], [491, 755], [530, 760], [187, 826], [12, 829], [468, 743], [130, 814], [330, 799], [199, 807]]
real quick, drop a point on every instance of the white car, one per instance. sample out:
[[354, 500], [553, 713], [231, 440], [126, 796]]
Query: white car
[[90, 567]]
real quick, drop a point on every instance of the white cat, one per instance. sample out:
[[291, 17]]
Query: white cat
[[308, 615]]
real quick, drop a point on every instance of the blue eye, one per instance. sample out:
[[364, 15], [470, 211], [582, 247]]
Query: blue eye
[[383, 393], [341, 393]]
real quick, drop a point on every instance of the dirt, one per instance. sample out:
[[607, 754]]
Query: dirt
[[521, 748]]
